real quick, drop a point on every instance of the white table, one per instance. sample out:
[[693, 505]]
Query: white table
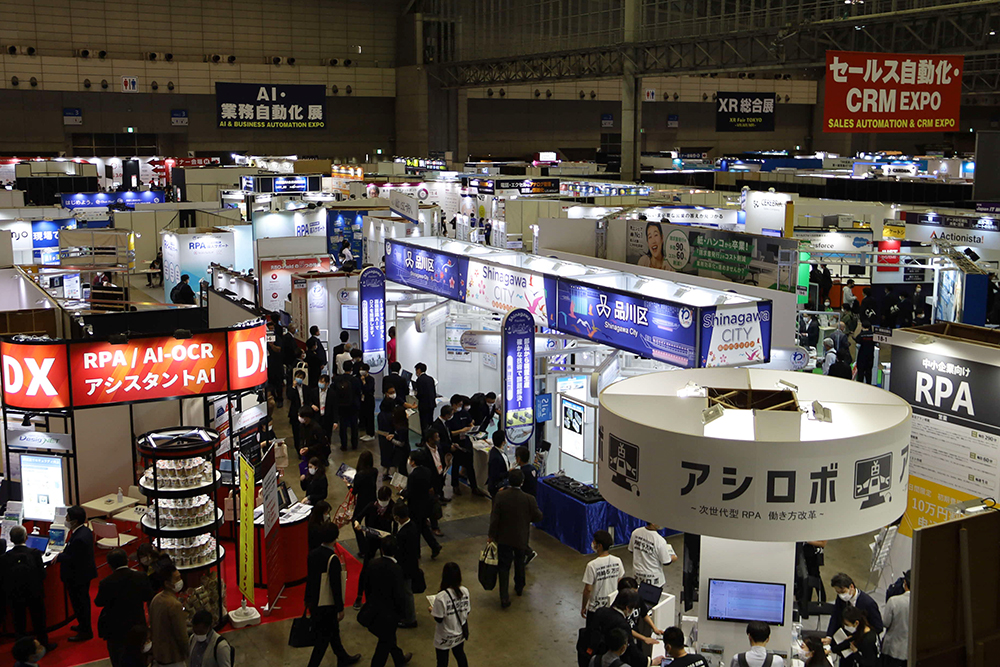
[[107, 505]]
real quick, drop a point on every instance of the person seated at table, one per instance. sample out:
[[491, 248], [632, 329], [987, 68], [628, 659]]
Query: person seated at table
[[155, 268], [314, 482]]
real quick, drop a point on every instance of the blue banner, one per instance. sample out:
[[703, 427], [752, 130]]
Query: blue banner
[[96, 199], [347, 225], [371, 287], [732, 335], [429, 270], [518, 375], [45, 239], [651, 328], [543, 408]]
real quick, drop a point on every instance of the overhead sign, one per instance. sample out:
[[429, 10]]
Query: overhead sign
[[179, 118], [732, 335], [403, 205], [371, 292], [248, 357], [504, 289], [270, 106], [848, 241], [95, 199], [886, 92], [35, 375], [429, 270], [526, 186], [287, 184], [744, 112], [518, 375], [978, 231], [652, 328]]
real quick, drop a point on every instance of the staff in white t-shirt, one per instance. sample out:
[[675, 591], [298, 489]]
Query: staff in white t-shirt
[[650, 552], [601, 576], [450, 609]]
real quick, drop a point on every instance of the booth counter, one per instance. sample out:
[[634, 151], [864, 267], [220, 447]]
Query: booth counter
[[294, 522]]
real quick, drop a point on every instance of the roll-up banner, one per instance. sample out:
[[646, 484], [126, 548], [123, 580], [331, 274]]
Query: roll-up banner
[[518, 370], [248, 531], [371, 288]]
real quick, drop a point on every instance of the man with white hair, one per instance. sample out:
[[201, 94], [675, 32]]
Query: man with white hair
[[829, 356]]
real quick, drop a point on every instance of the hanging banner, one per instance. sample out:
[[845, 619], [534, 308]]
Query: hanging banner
[[428, 270], [504, 289], [892, 92], [270, 107], [102, 199], [735, 335], [651, 328], [247, 530], [35, 375], [371, 292], [403, 205], [744, 112], [518, 370]]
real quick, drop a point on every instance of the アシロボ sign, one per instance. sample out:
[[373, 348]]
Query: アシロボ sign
[[884, 92], [270, 107]]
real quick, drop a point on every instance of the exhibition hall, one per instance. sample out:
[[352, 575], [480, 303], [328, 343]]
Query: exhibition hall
[[618, 333]]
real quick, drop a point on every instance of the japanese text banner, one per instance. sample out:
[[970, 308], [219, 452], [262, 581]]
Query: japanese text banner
[[148, 368], [885, 92]]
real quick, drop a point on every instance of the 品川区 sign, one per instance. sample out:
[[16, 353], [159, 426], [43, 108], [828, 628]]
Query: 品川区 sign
[[429, 270], [371, 294], [270, 106], [518, 371], [36, 375], [744, 112], [889, 92]]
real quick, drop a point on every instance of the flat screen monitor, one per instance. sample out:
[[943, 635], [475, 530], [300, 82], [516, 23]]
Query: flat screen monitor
[[572, 428], [745, 601], [349, 316], [42, 487]]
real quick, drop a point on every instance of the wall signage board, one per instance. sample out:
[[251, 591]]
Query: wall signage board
[[526, 186], [270, 106], [276, 277], [72, 116], [735, 334], [179, 118], [652, 328], [978, 231], [518, 371], [429, 270], [892, 92], [404, 205], [744, 112], [955, 432], [371, 293]]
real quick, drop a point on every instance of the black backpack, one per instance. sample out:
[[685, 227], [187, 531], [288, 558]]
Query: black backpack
[[175, 293], [21, 576], [232, 651]]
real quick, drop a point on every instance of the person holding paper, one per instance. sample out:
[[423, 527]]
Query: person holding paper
[[450, 610], [848, 595], [377, 521], [857, 644]]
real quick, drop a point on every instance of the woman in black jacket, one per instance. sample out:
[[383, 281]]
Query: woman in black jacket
[[400, 440], [314, 483], [861, 640], [365, 487], [319, 516]]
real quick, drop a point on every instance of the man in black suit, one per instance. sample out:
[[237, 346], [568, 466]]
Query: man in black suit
[[384, 605], [326, 604], [299, 395], [408, 557], [402, 387], [419, 496], [76, 569], [339, 349], [424, 388], [122, 595], [23, 576], [441, 427], [327, 404], [320, 350], [510, 522], [848, 595]]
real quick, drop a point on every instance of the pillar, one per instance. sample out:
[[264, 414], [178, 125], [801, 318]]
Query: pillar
[[631, 98]]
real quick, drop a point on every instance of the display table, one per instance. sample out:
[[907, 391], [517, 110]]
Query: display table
[[573, 522], [57, 609], [294, 544], [107, 505]]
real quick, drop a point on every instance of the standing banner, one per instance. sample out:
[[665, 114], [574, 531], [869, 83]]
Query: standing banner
[[270, 106], [247, 529], [272, 529], [518, 352], [371, 287], [892, 92], [744, 112]]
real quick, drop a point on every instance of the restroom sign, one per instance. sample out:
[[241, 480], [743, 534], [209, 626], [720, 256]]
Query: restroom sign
[[130, 84]]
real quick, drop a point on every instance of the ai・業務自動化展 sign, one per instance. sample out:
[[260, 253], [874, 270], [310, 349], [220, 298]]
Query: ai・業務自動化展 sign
[[270, 106]]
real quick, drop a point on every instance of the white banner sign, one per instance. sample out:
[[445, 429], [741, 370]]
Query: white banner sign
[[403, 205], [504, 289]]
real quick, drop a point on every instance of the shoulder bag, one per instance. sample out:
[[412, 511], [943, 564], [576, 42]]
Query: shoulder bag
[[454, 610]]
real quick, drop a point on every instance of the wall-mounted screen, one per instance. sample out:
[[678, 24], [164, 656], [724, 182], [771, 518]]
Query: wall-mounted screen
[[745, 601], [349, 316], [41, 486], [572, 428]]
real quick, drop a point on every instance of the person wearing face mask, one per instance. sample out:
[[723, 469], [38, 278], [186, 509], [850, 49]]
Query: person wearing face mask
[[208, 648], [122, 595], [168, 623], [326, 406], [825, 284], [400, 440], [324, 598], [27, 652], [815, 653], [367, 413], [137, 647], [385, 432], [365, 488], [848, 596], [377, 516], [299, 396], [896, 643], [461, 446], [394, 380], [314, 483], [860, 649], [76, 569]]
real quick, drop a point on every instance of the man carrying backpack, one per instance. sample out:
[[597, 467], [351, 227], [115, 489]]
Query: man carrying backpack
[[347, 392], [182, 292], [208, 648], [24, 577]]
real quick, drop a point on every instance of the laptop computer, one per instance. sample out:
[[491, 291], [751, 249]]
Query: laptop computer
[[649, 594], [37, 542]]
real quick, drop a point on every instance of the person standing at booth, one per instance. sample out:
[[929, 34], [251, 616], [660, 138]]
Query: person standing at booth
[[299, 396], [122, 595], [367, 401], [390, 347], [600, 579], [320, 350], [339, 349], [425, 389], [325, 401], [23, 576], [395, 380], [848, 595], [650, 552], [347, 389], [497, 465], [76, 569]]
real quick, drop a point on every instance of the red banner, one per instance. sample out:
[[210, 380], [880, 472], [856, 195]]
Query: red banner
[[893, 246], [248, 355], [148, 368], [887, 92], [35, 375]]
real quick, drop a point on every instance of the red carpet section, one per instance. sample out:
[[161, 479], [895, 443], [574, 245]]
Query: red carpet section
[[290, 605]]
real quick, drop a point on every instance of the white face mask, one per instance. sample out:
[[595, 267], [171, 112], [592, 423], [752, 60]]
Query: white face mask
[[364, 373], [391, 397], [178, 586], [808, 656], [849, 629], [312, 470], [846, 597], [322, 385], [201, 638], [383, 503], [302, 420], [147, 647]]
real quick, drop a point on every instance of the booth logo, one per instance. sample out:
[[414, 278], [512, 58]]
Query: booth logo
[[248, 358], [35, 376], [686, 317], [872, 480], [623, 460]]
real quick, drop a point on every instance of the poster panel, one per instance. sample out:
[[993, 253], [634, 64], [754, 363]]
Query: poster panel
[[371, 288], [276, 277], [518, 375]]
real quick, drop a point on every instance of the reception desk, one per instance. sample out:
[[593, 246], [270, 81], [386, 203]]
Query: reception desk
[[293, 541]]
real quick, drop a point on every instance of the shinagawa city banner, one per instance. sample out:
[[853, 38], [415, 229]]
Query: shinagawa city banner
[[892, 92]]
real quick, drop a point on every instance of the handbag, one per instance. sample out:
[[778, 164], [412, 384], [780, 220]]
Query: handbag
[[325, 593], [281, 455], [436, 512], [488, 567], [303, 632], [419, 583], [103, 621], [465, 623], [346, 510], [367, 615]]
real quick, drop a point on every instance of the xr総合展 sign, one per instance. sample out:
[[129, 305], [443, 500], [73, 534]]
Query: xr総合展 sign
[[371, 294], [517, 357], [744, 112], [270, 106]]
